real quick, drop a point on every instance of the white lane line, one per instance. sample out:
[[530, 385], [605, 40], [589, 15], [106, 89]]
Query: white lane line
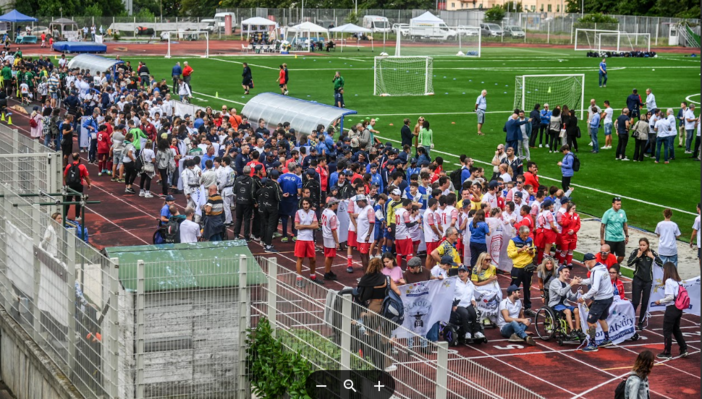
[[574, 185], [237, 62], [219, 98]]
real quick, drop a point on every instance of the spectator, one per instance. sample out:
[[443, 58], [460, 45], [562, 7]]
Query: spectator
[[602, 294], [521, 250], [689, 123], [511, 320], [535, 116], [614, 230], [671, 319], [189, 230], [543, 127], [480, 108], [554, 130], [623, 124], [566, 166], [640, 134], [617, 284], [594, 125], [463, 312], [607, 117], [668, 232], [637, 383], [546, 272], [605, 257], [642, 259], [75, 177], [572, 130], [214, 212], [479, 231], [406, 133], [633, 102]]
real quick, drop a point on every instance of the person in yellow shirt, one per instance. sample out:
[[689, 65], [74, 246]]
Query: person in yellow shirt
[[484, 271], [448, 248], [521, 250], [476, 199]]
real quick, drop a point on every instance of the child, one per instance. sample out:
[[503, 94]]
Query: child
[[305, 224], [330, 223]]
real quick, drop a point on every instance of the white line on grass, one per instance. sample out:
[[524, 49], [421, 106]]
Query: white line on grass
[[446, 113], [237, 62], [353, 59], [219, 98], [558, 180], [692, 95]]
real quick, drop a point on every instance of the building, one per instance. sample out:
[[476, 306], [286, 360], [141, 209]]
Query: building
[[555, 6]]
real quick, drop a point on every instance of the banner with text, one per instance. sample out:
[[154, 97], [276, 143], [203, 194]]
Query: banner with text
[[621, 321], [658, 292], [426, 303]]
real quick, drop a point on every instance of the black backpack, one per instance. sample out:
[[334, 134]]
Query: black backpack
[[171, 231], [73, 175], [455, 177], [393, 309], [576, 163], [619, 390]]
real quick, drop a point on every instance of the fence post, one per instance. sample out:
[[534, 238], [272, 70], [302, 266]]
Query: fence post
[[272, 292], [346, 312], [113, 335], [244, 308], [36, 226], [548, 32], [441, 369], [658, 23], [71, 299], [140, 327]]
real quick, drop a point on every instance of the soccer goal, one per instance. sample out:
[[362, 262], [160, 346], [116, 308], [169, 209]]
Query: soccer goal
[[187, 36], [623, 41], [589, 39], [403, 76], [550, 89], [464, 41]]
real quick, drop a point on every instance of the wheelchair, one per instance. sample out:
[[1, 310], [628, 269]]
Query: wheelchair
[[454, 334], [550, 324]]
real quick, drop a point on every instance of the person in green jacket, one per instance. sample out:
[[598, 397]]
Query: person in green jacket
[[426, 137], [338, 90], [138, 134]]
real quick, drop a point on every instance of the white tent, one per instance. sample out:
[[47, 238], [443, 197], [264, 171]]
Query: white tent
[[299, 42], [351, 28], [255, 22], [427, 17]]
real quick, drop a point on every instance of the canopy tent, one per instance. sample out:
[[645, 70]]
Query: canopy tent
[[299, 43], [16, 16], [427, 17], [304, 116], [94, 63], [64, 28], [256, 22], [353, 29]]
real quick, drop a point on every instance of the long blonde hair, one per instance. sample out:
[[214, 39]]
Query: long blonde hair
[[479, 263], [542, 266]]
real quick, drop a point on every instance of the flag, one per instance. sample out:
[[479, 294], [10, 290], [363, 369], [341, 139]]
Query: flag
[[658, 292], [426, 303]]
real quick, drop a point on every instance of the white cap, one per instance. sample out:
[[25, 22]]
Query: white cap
[[396, 192]]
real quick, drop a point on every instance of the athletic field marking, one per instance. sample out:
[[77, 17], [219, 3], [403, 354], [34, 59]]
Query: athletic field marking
[[692, 95], [353, 59], [558, 180], [240, 63], [445, 113], [219, 98]]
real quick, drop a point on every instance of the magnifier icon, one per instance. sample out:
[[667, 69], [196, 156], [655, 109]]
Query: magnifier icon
[[348, 384]]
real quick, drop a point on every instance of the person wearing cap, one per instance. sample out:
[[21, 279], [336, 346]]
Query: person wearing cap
[[510, 318], [547, 232], [521, 250], [614, 230], [570, 225], [602, 294], [305, 224], [441, 269], [291, 184], [463, 311], [559, 293], [269, 197], [330, 225], [415, 271]]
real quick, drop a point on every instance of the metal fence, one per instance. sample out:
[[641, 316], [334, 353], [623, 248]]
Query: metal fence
[[330, 338]]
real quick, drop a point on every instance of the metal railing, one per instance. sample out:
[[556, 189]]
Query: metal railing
[[330, 337]]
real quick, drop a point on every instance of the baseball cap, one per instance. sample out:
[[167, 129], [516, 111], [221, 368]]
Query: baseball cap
[[361, 198], [494, 184], [518, 194], [447, 260], [396, 192], [374, 165], [564, 267], [463, 268], [414, 262], [292, 130], [259, 167], [310, 172], [348, 173], [588, 256], [186, 116], [512, 288], [565, 200], [547, 203], [274, 174], [170, 198], [332, 201]]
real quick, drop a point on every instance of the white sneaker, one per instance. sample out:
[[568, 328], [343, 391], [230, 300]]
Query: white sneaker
[[148, 195], [590, 144], [141, 193], [468, 336], [479, 335], [99, 174], [625, 159], [541, 146], [391, 368], [286, 92], [546, 145]]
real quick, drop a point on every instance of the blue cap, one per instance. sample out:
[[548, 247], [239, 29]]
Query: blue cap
[[463, 268], [448, 260], [512, 288], [588, 256]]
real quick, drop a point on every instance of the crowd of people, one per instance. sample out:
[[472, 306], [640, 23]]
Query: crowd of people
[[349, 193]]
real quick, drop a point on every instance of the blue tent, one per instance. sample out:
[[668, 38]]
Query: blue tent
[[16, 16]]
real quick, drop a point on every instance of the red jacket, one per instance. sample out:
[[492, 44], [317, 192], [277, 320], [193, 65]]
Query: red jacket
[[187, 70], [528, 222], [619, 285], [530, 178], [570, 222]]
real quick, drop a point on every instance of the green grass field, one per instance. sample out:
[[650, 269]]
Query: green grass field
[[459, 81]]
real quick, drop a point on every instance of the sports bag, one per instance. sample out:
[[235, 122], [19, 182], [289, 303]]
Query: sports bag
[[392, 308], [682, 300]]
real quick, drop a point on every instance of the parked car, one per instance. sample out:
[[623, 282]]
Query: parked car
[[401, 29], [491, 30], [468, 30], [514, 31]]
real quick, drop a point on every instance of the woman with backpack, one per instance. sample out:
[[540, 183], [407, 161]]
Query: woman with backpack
[[35, 123], [671, 319], [636, 385]]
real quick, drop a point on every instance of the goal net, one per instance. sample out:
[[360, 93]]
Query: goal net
[[623, 41], [181, 38], [438, 41], [555, 90], [403, 76], [588, 39]]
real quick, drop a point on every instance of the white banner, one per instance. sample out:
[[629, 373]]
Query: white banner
[[658, 292], [621, 321], [426, 303], [488, 298]]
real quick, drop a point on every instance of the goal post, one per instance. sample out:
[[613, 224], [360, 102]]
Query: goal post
[[189, 35], [403, 76], [589, 39], [623, 41], [550, 89]]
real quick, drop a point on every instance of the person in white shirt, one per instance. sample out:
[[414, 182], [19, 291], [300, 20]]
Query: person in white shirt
[[463, 312], [668, 232], [365, 229], [510, 317], [672, 316], [480, 108], [189, 230], [305, 224], [662, 129], [650, 100], [602, 293], [690, 122], [440, 270], [432, 228], [330, 225], [403, 224], [490, 197], [697, 231], [607, 114]]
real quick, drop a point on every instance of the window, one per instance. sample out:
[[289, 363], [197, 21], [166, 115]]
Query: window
[[533, 8], [542, 8], [480, 6], [549, 8], [558, 7], [453, 5]]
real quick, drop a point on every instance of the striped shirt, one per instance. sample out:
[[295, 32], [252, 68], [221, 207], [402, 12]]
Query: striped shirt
[[216, 203]]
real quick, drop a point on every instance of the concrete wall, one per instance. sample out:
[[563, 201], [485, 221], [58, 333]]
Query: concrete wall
[[26, 370]]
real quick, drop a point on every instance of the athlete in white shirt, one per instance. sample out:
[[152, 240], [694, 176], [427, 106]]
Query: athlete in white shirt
[[403, 224], [365, 228], [330, 225], [305, 224], [432, 228]]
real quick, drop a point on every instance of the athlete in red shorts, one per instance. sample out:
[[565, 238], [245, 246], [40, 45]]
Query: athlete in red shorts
[[365, 224], [330, 224], [305, 224]]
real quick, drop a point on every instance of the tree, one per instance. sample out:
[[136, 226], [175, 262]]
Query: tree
[[513, 6], [495, 14], [597, 18]]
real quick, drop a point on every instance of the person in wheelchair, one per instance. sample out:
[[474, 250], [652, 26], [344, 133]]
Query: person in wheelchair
[[463, 312], [558, 294]]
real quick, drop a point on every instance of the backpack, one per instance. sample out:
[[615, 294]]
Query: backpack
[[33, 122], [392, 308], [576, 163], [619, 390], [171, 231], [455, 177], [682, 300], [73, 175]]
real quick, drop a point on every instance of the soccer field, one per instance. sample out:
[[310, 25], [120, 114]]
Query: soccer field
[[646, 188]]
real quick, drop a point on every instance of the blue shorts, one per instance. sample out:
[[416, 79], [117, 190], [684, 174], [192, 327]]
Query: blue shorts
[[560, 308], [388, 234]]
